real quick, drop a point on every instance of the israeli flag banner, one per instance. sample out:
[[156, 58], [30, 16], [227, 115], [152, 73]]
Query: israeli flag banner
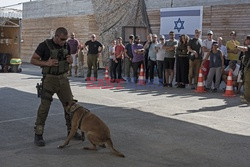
[[183, 20]]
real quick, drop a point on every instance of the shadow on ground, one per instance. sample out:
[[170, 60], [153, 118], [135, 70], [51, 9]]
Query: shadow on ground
[[146, 139]]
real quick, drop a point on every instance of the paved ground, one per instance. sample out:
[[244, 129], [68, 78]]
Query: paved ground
[[152, 126]]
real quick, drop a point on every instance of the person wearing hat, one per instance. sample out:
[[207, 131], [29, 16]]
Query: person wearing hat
[[246, 62], [150, 46], [216, 66], [233, 53], [206, 48], [128, 57]]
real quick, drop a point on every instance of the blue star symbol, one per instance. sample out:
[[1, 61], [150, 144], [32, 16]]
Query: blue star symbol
[[179, 25]]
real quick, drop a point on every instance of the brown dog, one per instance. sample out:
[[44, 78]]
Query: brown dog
[[95, 129]]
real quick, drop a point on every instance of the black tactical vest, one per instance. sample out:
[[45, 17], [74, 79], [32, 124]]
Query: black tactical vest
[[60, 55]]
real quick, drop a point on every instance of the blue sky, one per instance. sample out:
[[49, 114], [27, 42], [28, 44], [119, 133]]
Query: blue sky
[[12, 2]]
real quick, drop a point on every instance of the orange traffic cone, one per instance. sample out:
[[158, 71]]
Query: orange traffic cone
[[141, 79], [200, 85], [229, 89], [106, 77]]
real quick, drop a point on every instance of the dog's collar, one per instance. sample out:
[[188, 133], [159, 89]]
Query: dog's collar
[[74, 107]]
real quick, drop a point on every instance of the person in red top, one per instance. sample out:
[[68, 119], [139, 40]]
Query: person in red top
[[119, 51]]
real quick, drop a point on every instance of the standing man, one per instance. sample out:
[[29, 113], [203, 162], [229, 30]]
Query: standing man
[[195, 57], [112, 59], [53, 55], [119, 51], [138, 57], [149, 40], [223, 49], [74, 47], [128, 57], [206, 48], [160, 55], [246, 63], [94, 48], [231, 50], [150, 46], [170, 47]]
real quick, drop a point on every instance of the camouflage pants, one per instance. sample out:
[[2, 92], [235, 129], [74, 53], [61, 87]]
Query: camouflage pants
[[247, 84], [52, 84]]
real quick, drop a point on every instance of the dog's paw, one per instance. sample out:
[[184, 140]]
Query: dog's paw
[[60, 146], [90, 148]]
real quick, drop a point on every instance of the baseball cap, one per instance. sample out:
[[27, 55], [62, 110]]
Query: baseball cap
[[210, 32], [131, 36], [232, 33], [154, 35], [215, 43]]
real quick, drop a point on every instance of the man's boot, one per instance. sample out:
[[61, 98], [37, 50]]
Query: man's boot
[[39, 140]]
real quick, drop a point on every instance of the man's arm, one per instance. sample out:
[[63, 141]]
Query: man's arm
[[36, 60], [242, 48], [206, 58]]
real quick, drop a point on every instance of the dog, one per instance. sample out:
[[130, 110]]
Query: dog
[[97, 132]]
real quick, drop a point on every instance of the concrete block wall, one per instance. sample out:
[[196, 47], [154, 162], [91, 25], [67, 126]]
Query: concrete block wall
[[157, 4], [48, 8]]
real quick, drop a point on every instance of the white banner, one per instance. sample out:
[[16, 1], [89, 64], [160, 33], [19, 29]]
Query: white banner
[[182, 20]]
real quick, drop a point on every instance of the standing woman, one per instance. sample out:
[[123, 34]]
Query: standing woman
[[216, 66], [182, 62]]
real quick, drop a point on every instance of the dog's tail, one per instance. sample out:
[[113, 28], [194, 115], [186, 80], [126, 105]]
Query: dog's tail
[[114, 151]]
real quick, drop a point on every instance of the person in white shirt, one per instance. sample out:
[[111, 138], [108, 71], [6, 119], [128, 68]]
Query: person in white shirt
[[206, 48], [223, 49], [235, 71], [160, 55]]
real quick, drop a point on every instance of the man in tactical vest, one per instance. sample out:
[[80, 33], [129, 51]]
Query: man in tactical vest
[[246, 71], [53, 55]]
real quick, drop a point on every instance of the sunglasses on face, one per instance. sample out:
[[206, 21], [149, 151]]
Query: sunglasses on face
[[63, 39]]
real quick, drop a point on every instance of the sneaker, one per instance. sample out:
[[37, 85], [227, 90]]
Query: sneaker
[[182, 86], [165, 85], [170, 85], [214, 90], [192, 87], [39, 140]]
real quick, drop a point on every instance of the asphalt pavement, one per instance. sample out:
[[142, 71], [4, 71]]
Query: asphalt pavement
[[152, 125]]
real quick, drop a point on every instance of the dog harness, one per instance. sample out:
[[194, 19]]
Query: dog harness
[[73, 108]]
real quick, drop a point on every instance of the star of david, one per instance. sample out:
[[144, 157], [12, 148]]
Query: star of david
[[179, 25]]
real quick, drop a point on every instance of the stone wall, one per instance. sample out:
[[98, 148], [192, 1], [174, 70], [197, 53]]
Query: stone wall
[[157, 4], [57, 8]]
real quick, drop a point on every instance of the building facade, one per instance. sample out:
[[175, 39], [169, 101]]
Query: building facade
[[110, 19]]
